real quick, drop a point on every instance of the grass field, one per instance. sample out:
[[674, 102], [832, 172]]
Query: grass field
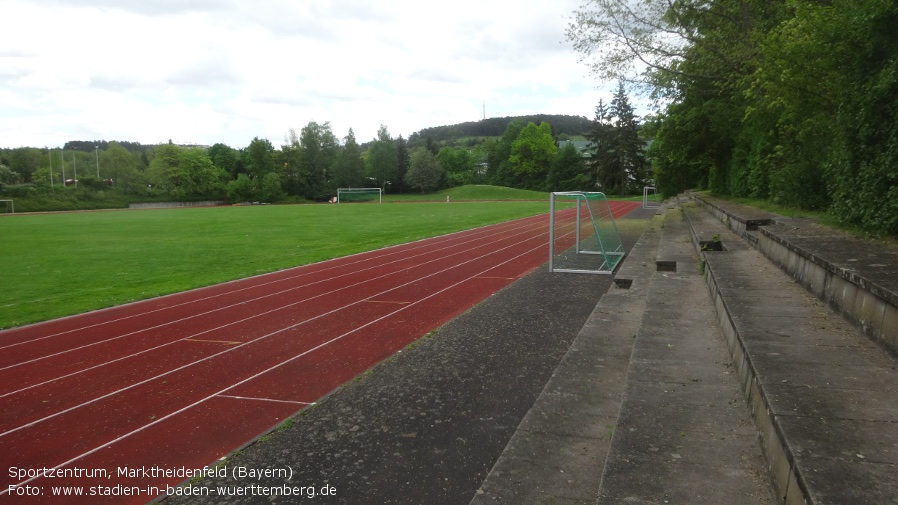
[[472, 192], [53, 265]]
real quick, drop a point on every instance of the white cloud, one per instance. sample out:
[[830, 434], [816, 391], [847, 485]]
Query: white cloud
[[211, 71]]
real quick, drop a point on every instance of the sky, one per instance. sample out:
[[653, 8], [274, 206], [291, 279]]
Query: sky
[[209, 71]]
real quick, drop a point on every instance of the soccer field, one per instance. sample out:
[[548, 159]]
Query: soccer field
[[52, 265]]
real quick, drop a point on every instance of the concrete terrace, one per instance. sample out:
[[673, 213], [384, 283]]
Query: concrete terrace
[[762, 372]]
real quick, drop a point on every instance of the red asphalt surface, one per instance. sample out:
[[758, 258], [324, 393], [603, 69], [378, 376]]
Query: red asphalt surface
[[180, 381]]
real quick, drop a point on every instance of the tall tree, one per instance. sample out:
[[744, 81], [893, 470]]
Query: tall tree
[[259, 158], [119, 165], [164, 172], [532, 154], [459, 164], [383, 159], [289, 162], [319, 152], [601, 134], [628, 150], [226, 158], [402, 161], [567, 171], [425, 171], [349, 169]]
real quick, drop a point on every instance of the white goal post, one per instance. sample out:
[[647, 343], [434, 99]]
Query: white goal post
[[8, 207], [346, 195], [650, 198]]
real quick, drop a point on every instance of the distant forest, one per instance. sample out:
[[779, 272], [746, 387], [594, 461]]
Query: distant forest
[[562, 125], [470, 133], [309, 165]]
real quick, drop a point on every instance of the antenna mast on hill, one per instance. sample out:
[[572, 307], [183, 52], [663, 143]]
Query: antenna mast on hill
[[484, 109]]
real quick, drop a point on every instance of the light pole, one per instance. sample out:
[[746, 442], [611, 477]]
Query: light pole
[[75, 168], [97, 152]]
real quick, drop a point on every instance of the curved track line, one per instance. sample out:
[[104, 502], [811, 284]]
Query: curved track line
[[192, 316], [234, 348], [368, 256], [304, 353]]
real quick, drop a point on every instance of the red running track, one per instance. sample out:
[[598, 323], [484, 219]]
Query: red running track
[[180, 381]]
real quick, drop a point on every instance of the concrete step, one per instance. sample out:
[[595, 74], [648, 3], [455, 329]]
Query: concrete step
[[685, 434], [823, 396], [557, 452], [856, 276]]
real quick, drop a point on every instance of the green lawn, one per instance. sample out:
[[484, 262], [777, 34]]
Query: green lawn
[[53, 265], [471, 192]]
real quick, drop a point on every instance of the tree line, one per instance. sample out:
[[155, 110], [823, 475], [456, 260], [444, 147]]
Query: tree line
[[313, 163], [793, 101]]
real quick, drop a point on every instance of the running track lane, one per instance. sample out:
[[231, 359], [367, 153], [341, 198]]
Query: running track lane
[[180, 381]]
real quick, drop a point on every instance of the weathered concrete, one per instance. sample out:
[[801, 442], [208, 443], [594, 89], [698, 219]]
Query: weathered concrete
[[685, 434], [742, 219], [857, 277], [558, 451], [822, 394]]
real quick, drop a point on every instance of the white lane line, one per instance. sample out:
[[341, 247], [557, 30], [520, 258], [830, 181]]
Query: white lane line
[[234, 348], [274, 367], [217, 328], [265, 399], [366, 256], [218, 309]]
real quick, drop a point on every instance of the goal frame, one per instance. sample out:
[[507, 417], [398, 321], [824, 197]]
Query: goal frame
[[8, 204], [647, 202], [611, 251], [380, 192]]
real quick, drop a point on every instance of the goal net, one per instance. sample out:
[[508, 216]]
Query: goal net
[[650, 198], [353, 195], [7, 207], [582, 235]]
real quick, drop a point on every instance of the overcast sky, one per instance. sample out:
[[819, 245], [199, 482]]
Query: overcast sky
[[207, 71]]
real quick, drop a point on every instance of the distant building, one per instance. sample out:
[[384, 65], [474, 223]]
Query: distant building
[[584, 147]]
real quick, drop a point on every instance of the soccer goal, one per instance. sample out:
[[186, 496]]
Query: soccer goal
[[353, 195], [7, 206], [650, 198], [583, 237]]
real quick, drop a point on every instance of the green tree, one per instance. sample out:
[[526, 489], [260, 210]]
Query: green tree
[[627, 171], [567, 172], [118, 164], [8, 176], [270, 189], [201, 178], [226, 158], [601, 133], [424, 172], [402, 162], [241, 189], [382, 163], [164, 172], [185, 172], [460, 165], [349, 169], [319, 153], [499, 167], [289, 163], [24, 161], [532, 154], [259, 158]]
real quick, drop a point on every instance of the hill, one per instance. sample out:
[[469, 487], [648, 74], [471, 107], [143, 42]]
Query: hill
[[494, 127]]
